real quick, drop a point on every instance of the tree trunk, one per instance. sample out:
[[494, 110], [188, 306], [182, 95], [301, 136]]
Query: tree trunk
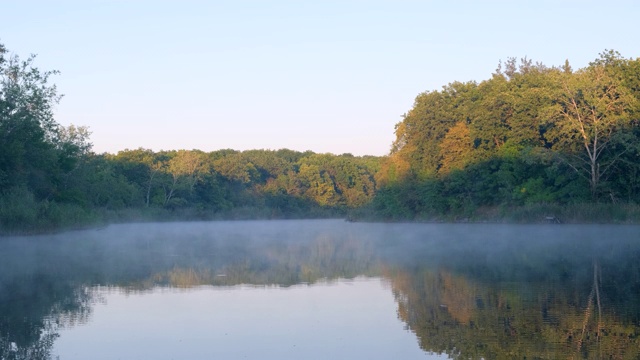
[[594, 178], [153, 173], [171, 190]]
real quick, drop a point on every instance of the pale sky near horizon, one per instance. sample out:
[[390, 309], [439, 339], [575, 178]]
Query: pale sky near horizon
[[327, 76]]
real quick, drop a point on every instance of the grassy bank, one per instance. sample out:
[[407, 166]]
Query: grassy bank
[[596, 213], [28, 217], [21, 215]]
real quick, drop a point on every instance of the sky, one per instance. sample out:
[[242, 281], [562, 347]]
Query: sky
[[330, 76]]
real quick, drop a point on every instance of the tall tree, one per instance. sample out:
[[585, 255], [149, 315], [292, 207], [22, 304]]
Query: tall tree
[[591, 114], [28, 131], [427, 123]]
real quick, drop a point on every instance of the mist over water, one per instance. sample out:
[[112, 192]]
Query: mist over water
[[457, 290]]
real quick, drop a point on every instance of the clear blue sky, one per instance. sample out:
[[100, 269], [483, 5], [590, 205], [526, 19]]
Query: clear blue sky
[[320, 75]]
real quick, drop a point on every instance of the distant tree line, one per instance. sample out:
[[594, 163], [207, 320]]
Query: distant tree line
[[277, 183], [531, 135], [50, 178], [142, 184]]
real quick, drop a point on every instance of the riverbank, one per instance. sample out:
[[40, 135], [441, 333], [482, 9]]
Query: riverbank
[[586, 213], [57, 218]]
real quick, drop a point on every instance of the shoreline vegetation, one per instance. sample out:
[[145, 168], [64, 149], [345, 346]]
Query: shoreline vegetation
[[588, 213], [609, 214], [531, 144]]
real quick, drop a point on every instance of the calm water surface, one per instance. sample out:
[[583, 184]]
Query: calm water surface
[[322, 289]]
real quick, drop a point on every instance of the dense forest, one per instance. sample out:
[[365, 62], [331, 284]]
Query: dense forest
[[50, 178], [531, 140]]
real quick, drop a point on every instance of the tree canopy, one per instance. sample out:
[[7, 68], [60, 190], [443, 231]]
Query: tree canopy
[[531, 134]]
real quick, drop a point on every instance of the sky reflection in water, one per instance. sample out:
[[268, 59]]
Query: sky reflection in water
[[322, 289], [343, 319]]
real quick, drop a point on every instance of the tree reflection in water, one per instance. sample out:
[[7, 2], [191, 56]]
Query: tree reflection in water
[[553, 305], [33, 307], [468, 291], [49, 279]]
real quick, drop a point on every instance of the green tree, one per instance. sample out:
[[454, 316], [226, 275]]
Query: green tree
[[28, 131], [141, 167], [455, 148], [185, 167], [317, 182], [236, 167], [39, 159], [591, 114], [425, 125]]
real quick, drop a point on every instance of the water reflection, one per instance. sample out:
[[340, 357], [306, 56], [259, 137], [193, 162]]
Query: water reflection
[[557, 297], [338, 319], [466, 291]]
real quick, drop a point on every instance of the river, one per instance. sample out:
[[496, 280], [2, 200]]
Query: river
[[319, 289]]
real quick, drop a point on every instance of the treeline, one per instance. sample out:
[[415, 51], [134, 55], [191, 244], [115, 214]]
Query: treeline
[[50, 178], [530, 141], [531, 136], [280, 183], [190, 184]]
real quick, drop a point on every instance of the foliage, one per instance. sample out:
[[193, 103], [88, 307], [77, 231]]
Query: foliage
[[50, 178], [38, 157], [530, 135]]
